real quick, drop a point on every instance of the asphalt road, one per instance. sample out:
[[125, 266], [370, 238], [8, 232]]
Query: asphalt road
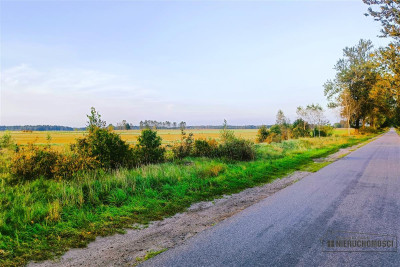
[[359, 193]]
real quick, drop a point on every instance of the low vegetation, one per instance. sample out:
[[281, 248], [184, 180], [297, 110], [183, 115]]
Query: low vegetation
[[52, 201]]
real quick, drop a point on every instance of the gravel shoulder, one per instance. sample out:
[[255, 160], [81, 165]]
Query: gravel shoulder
[[137, 244]]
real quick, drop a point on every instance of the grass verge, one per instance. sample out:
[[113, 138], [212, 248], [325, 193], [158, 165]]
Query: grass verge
[[42, 219]]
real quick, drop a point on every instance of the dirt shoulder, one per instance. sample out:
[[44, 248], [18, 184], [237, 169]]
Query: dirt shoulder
[[137, 244]]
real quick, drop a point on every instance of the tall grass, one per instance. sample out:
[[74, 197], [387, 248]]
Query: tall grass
[[43, 218]]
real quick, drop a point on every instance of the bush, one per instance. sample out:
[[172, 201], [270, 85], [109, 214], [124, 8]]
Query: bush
[[205, 148], [70, 164], [237, 149], [6, 140], [183, 148], [212, 170], [106, 147], [323, 131], [300, 129], [149, 150], [368, 130], [262, 134], [226, 134], [33, 162], [273, 138], [275, 129]]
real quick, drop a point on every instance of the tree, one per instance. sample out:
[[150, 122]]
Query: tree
[[95, 120], [226, 134], [302, 115], [284, 124], [149, 147], [356, 74], [388, 14], [316, 114], [262, 134], [280, 118], [300, 128], [182, 125]]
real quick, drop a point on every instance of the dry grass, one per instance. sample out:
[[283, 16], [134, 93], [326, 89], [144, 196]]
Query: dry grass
[[168, 136]]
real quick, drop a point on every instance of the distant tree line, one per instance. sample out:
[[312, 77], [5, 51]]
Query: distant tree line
[[40, 128], [123, 126]]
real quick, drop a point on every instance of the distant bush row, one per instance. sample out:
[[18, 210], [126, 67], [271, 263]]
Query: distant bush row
[[284, 131], [102, 148], [230, 147]]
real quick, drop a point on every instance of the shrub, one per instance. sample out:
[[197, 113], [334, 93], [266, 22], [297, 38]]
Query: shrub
[[68, 165], [275, 134], [212, 170], [33, 162], [275, 129], [183, 148], [274, 138], [323, 131], [6, 140], [262, 134], [300, 128], [205, 148], [149, 149], [237, 149], [368, 130], [106, 147], [226, 134]]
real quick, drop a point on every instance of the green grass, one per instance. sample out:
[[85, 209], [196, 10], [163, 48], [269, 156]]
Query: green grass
[[44, 218], [149, 255]]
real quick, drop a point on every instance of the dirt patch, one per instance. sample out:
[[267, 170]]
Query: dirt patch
[[132, 247]]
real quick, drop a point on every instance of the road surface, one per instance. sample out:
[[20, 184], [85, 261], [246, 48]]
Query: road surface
[[359, 193]]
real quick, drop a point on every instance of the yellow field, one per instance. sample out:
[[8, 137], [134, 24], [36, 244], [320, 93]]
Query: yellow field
[[343, 131], [168, 136]]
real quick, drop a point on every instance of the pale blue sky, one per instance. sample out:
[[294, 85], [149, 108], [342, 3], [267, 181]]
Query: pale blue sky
[[199, 61]]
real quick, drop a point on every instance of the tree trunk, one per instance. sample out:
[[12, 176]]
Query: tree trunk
[[357, 125], [348, 125]]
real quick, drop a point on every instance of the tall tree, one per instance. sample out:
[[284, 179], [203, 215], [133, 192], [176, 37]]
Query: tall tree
[[316, 117], [387, 12], [95, 120], [356, 75]]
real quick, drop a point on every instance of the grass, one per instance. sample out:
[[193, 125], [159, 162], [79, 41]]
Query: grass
[[149, 255], [61, 138], [43, 218], [315, 166]]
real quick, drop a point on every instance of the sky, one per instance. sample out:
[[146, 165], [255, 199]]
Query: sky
[[194, 61]]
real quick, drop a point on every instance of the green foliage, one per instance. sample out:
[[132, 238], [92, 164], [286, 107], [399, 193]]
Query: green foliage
[[322, 131], [106, 147], [95, 120], [262, 134], [6, 140], [273, 137], [237, 149], [369, 130], [300, 128], [43, 218], [387, 12], [226, 134], [183, 147], [33, 162], [149, 149], [275, 129], [205, 148]]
